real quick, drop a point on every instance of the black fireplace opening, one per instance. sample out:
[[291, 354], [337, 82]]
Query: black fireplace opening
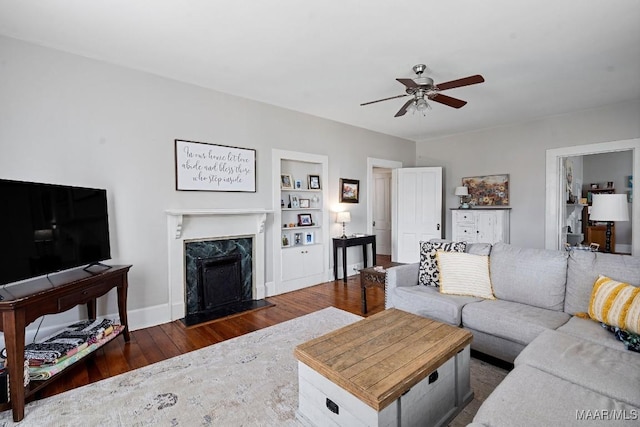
[[219, 282], [219, 279]]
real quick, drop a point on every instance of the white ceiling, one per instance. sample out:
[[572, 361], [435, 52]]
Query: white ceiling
[[325, 57]]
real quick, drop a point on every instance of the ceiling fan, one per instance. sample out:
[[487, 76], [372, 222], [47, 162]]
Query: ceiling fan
[[422, 87]]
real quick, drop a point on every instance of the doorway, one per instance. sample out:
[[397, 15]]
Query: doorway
[[555, 218], [379, 205]]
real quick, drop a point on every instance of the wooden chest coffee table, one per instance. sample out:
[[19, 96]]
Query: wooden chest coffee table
[[393, 368]]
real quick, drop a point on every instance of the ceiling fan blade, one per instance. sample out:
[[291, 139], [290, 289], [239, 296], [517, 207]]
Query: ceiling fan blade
[[447, 100], [408, 83], [402, 111], [471, 80], [385, 99]]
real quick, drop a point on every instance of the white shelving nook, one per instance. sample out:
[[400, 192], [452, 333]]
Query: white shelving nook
[[301, 253]]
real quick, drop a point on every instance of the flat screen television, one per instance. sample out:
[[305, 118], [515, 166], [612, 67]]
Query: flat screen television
[[46, 228]]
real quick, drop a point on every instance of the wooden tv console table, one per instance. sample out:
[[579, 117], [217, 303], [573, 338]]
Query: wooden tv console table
[[23, 303]]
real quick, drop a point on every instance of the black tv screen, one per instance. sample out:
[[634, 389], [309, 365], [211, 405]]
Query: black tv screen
[[46, 228]]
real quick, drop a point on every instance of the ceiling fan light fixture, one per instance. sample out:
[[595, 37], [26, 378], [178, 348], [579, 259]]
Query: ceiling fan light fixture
[[422, 105]]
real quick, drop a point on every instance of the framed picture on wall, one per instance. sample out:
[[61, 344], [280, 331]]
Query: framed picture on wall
[[488, 190], [349, 190]]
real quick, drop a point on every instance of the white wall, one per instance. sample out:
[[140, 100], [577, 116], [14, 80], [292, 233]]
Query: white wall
[[519, 150], [70, 120]]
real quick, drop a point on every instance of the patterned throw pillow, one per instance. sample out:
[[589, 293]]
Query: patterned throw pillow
[[428, 271], [464, 274], [616, 304]]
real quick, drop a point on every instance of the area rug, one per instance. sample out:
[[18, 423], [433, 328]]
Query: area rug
[[251, 380]]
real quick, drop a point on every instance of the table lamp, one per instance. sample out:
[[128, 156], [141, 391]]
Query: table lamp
[[609, 208], [462, 192], [343, 217]]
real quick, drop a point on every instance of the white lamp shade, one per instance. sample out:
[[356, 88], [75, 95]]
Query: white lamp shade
[[343, 217], [462, 191], [609, 207]]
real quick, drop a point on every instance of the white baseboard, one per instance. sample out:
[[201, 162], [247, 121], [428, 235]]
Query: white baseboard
[[624, 249], [352, 269]]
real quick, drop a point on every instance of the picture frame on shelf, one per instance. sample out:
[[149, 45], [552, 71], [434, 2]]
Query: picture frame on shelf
[[297, 184], [309, 238], [286, 182], [294, 201], [305, 203], [304, 220], [298, 238], [349, 190], [313, 182]]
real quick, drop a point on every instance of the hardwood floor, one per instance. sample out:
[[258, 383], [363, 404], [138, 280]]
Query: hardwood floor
[[164, 341]]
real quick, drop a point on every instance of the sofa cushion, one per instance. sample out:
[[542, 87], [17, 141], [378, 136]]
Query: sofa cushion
[[513, 321], [428, 274], [426, 301], [478, 248], [616, 304], [583, 268], [592, 331], [530, 276], [464, 274], [531, 397], [612, 373]]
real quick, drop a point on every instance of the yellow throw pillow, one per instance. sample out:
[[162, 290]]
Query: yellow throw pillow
[[464, 274], [616, 304]]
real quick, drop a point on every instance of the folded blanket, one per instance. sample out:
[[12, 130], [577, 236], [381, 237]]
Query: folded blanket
[[53, 349]]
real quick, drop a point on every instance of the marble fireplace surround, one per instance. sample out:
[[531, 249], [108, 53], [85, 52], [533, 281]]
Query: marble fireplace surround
[[212, 224]]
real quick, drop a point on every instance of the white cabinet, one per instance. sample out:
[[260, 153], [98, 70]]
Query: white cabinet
[[302, 261], [480, 225], [301, 218]]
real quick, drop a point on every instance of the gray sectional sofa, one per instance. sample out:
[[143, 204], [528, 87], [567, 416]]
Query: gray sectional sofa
[[567, 370]]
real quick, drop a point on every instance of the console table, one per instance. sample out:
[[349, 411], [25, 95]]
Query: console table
[[23, 303], [344, 243]]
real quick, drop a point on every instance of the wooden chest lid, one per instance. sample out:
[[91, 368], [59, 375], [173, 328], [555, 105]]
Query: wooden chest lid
[[380, 357]]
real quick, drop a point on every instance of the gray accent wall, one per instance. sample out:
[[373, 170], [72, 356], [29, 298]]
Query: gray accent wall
[[67, 119], [520, 151]]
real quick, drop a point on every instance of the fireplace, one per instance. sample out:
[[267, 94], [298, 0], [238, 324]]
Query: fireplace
[[213, 235], [218, 278]]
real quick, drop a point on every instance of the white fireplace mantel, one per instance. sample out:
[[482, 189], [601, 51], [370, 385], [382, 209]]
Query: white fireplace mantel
[[179, 215], [195, 224]]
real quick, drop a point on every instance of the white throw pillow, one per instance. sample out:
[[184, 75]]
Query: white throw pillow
[[428, 269], [464, 274]]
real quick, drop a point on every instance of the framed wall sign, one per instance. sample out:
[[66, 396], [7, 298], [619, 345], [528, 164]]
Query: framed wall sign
[[202, 166], [349, 190]]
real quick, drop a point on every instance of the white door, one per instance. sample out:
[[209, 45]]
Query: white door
[[417, 211], [382, 211]]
